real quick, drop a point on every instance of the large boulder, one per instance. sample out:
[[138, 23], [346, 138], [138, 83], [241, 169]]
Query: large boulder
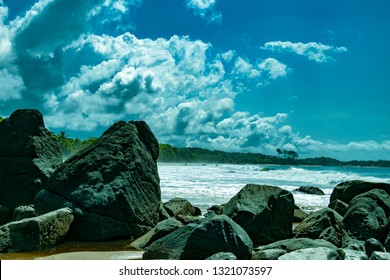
[[264, 212], [36, 233], [323, 223], [339, 206], [112, 185], [179, 206], [160, 230], [5, 215], [200, 241], [367, 216], [346, 191], [29, 154]]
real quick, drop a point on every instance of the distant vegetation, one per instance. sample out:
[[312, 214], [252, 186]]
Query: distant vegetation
[[168, 153], [1, 119], [70, 146]]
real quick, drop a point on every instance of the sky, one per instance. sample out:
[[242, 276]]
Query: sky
[[310, 76]]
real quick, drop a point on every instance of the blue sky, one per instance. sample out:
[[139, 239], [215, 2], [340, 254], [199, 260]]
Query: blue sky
[[251, 75]]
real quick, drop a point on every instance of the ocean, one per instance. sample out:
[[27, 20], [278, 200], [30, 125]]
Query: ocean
[[205, 185]]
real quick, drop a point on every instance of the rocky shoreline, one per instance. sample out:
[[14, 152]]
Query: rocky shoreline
[[110, 192]]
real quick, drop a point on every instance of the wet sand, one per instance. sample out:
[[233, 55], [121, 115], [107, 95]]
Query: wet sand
[[80, 250]]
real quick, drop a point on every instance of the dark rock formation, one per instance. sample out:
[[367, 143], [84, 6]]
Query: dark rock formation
[[339, 206], [217, 209], [373, 245], [346, 191], [28, 156], [162, 229], [35, 233], [112, 185], [299, 215], [311, 190], [200, 241], [293, 244], [319, 253], [325, 223], [22, 212], [264, 212], [5, 215], [179, 206], [367, 215]]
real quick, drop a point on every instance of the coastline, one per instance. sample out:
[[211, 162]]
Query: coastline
[[78, 250]]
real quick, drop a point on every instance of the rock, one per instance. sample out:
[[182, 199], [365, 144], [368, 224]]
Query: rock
[[380, 256], [265, 212], [217, 209], [387, 243], [5, 215], [339, 206], [365, 218], [22, 212], [163, 214], [162, 229], [190, 219], [319, 253], [224, 256], [332, 235], [311, 190], [35, 233], [198, 211], [381, 198], [373, 245], [299, 215], [29, 154], [326, 223], [354, 255], [270, 254], [112, 185], [346, 191], [215, 235], [179, 206], [356, 245], [293, 244]]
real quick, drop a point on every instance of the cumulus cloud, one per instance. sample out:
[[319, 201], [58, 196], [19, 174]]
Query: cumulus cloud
[[5, 40], [10, 86], [206, 10], [184, 89], [313, 51], [274, 68]]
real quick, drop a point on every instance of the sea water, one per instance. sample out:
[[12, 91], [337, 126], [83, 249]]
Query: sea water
[[205, 185]]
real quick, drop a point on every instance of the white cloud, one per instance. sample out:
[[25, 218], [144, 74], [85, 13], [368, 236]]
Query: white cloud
[[10, 86], [274, 68], [206, 10], [5, 40], [314, 51]]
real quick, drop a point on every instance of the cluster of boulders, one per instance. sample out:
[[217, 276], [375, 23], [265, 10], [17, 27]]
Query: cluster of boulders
[[110, 191], [258, 224]]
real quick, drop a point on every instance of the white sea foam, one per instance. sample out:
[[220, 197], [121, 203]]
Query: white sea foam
[[208, 184]]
